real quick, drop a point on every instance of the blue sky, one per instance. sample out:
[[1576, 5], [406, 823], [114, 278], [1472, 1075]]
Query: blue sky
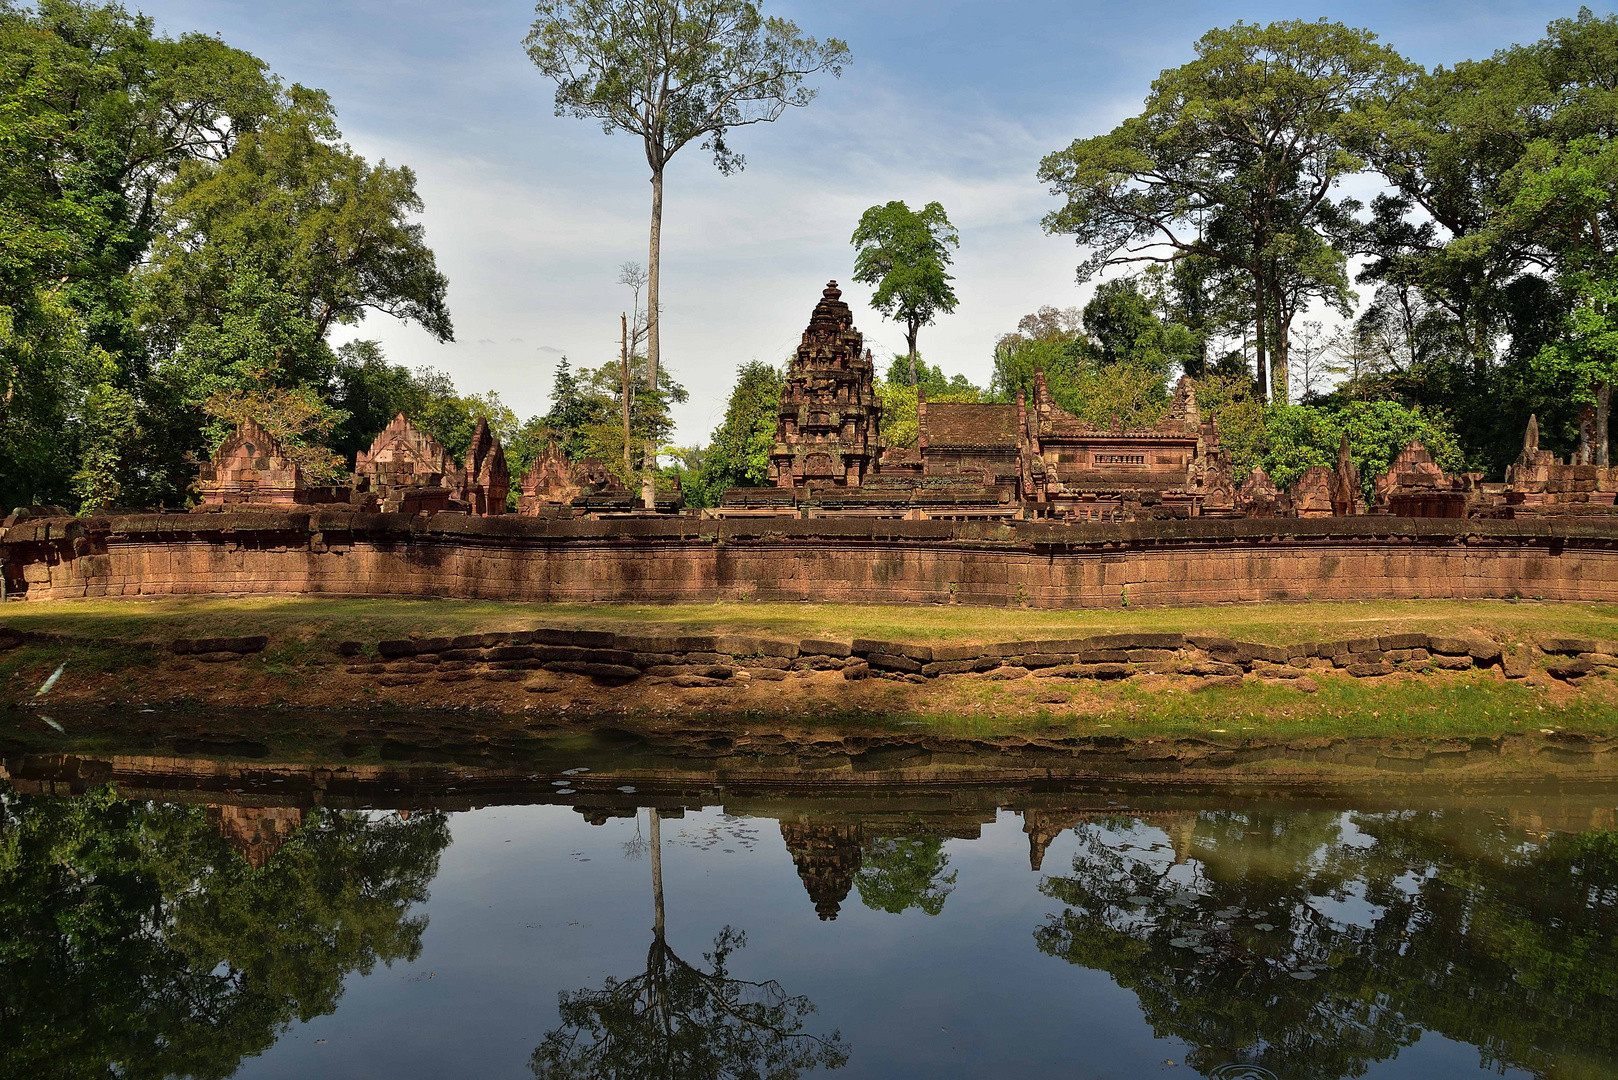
[[532, 214]]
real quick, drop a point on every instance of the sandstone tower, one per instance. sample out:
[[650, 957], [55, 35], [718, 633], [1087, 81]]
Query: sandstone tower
[[829, 429]]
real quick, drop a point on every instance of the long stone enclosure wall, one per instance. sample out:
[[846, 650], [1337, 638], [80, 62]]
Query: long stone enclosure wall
[[862, 560]]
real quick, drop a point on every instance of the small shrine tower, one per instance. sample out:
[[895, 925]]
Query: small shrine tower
[[828, 432]]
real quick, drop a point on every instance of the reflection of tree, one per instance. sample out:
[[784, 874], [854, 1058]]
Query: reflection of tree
[[675, 1021], [135, 942], [1461, 926], [900, 873]]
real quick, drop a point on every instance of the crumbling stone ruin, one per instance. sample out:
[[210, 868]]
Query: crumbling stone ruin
[[405, 471], [250, 467], [1539, 484]]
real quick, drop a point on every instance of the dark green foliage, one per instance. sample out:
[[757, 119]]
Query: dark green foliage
[[738, 452], [900, 873], [1469, 928], [904, 253], [137, 943]]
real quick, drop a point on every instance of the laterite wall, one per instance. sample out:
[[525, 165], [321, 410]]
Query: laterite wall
[[1043, 565]]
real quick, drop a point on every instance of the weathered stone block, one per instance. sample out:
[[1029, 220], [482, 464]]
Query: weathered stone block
[[857, 671], [1043, 660], [1214, 667], [779, 663], [867, 646], [893, 662], [1274, 654], [1569, 668], [1391, 642], [949, 653], [509, 652], [1449, 646], [1370, 670], [767, 674], [583, 639], [1485, 653], [1600, 659], [222, 657], [349, 648], [947, 667], [595, 670], [817, 663], [1568, 646], [1365, 645], [1147, 656], [1452, 663], [816, 647]]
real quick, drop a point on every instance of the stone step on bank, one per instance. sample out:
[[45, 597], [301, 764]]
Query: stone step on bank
[[719, 660]]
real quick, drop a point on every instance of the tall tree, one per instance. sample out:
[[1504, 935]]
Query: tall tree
[[739, 449], [672, 72], [264, 253], [904, 253], [1235, 159]]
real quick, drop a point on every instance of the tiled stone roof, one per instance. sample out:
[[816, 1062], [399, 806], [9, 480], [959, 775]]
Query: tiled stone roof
[[957, 424]]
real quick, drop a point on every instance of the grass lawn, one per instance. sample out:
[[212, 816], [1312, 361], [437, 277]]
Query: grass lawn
[[317, 619]]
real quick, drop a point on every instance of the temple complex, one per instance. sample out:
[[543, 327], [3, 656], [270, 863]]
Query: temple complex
[[972, 461]]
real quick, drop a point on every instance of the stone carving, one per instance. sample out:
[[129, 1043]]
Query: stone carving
[[408, 470], [1538, 479], [1334, 492], [828, 431], [554, 481], [1258, 497], [250, 467], [1415, 486], [485, 479]]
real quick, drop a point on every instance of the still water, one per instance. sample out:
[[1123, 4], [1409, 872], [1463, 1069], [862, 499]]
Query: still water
[[186, 917]]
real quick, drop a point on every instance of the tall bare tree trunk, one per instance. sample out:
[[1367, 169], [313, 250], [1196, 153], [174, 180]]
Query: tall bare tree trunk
[[648, 487], [623, 366], [910, 339], [657, 872], [1263, 364], [1603, 421], [1280, 353]]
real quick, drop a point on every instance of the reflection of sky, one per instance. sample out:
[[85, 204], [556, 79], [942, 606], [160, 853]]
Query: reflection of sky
[[530, 901], [531, 214]]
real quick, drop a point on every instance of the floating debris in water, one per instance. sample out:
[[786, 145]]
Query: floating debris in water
[[565, 791], [574, 772], [53, 723], [1264, 926], [50, 682], [1182, 942], [628, 789], [1302, 976]]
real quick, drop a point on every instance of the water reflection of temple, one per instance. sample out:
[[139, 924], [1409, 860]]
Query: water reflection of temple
[[827, 857], [256, 832], [1044, 826]]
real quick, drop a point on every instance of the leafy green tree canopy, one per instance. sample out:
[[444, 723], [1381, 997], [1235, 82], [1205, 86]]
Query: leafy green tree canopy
[[904, 254]]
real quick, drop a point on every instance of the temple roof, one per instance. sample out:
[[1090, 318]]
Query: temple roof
[[959, 424]]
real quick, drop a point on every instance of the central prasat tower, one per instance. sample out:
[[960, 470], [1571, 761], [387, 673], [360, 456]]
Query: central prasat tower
[[829, 430]]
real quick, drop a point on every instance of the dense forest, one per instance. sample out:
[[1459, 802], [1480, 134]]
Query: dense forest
[[181, 231]]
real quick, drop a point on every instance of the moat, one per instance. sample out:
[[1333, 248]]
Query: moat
[[597, 904]]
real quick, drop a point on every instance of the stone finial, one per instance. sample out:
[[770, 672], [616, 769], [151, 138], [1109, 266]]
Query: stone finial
[[1530, 439]]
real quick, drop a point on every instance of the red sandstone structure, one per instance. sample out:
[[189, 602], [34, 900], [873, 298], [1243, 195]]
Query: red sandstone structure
[[250, 467], [830, 423]]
